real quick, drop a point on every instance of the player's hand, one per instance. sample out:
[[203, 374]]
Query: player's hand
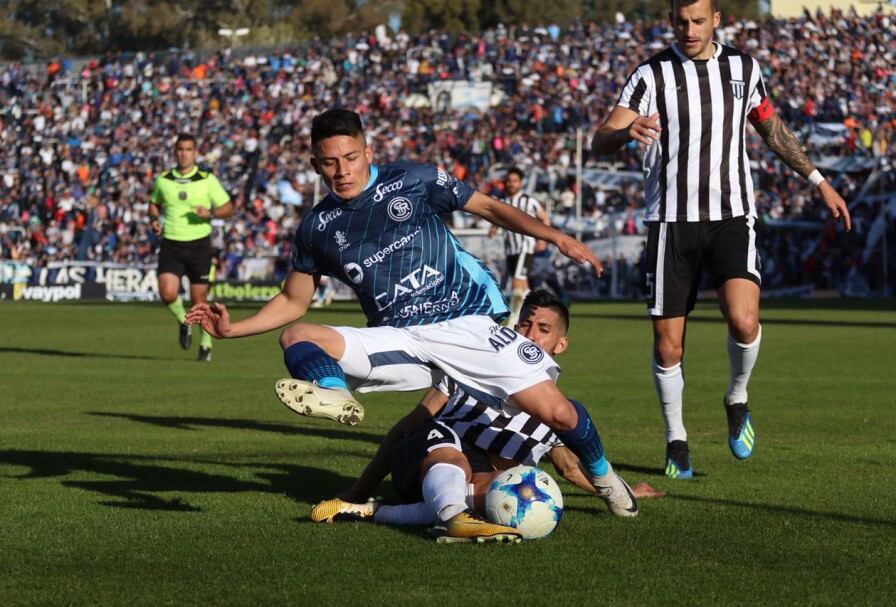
[[643, 490], [213, 318], [580, 253], [645, 129], [202, 212], [835, 203], [156, 226]]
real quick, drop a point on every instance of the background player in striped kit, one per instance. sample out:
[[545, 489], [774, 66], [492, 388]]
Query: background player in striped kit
[[689, 105], [519, 248]]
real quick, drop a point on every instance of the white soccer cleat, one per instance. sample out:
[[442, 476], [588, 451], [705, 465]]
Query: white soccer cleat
[[306, 398], [615, 492]]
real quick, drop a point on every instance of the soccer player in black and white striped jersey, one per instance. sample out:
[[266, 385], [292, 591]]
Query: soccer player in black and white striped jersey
[[689, 105], [519, 248]]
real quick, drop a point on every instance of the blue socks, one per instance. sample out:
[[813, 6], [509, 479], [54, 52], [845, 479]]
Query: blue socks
[[584, 442], [307, 361]]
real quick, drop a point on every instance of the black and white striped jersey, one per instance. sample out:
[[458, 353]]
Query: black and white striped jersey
[[518, 437], [515, 244], [698, 169]]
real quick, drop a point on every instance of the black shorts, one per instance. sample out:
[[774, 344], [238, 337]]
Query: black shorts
[[190, 257], [677, 253], [519, 266], [414, 447]]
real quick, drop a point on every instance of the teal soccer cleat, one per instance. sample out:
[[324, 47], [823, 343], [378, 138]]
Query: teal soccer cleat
[[741, 436], [678, 460]]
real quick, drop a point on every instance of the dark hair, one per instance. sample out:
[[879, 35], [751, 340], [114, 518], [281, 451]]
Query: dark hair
[[714, 4], [185, 137], [514, 171], [541, 298], [335, 122]]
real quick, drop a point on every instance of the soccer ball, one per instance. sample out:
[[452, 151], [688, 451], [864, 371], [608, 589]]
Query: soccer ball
[[527, 499]]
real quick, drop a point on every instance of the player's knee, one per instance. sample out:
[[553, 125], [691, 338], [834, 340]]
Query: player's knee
[[167, 296], [668, 353], [445, 455], [292, 335], [744, 326], [563, 416]]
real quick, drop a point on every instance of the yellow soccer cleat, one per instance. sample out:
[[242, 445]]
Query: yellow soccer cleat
[[306, 398], [337, 510], [468, 527]]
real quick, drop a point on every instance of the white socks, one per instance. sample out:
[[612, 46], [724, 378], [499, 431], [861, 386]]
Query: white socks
[[405, 514], [669, 384], [420, 513], [445, 490], [516, 306], [741, 358]]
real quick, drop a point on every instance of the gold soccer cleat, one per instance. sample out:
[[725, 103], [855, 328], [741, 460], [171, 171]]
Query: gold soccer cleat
[[336, 510], [468, 527]]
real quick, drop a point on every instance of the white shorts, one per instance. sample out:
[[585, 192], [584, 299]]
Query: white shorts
[[487, 360]]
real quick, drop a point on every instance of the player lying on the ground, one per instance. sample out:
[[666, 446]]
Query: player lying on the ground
[[432, 308], [464, 443], [442, 481]]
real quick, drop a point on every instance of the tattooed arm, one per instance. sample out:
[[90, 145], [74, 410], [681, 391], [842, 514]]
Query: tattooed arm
[[784, 143]]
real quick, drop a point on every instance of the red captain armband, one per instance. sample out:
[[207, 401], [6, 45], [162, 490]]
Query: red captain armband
[[762, 112]]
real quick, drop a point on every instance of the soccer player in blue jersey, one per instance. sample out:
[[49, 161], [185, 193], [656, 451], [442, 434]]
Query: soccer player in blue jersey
[[433, 309]]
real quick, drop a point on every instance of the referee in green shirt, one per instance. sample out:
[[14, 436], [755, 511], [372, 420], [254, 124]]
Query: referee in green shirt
[[184, 201]]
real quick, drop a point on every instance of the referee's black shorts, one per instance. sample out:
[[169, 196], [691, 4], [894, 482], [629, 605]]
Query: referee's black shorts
[[190, 257], [519, 265], [415, 446], [677, 253]]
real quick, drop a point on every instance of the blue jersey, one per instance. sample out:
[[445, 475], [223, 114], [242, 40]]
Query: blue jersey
[[390, 246]]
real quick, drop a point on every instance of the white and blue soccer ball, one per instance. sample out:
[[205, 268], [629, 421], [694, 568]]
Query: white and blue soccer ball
[[527, 499]]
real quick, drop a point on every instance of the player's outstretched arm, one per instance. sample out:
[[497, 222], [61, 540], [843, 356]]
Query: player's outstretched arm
[[285, 307], [511, 218], [381, 463], [622, 126], [567, 465], [784, 143]]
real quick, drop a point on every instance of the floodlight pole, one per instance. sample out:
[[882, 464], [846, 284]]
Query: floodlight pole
[[579, 183]]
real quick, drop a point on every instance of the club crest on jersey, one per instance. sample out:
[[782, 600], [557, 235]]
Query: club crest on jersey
[[501, 336], [737, 88], [354, 272], [387, 188], [400, 208], [182, 195], [530, 353], [341, 240], [324, 218]]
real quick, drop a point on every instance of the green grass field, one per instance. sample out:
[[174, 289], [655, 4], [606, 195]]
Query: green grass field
[[131, 474]]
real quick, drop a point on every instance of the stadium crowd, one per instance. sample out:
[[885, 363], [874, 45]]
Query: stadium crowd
[[82, 142]]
